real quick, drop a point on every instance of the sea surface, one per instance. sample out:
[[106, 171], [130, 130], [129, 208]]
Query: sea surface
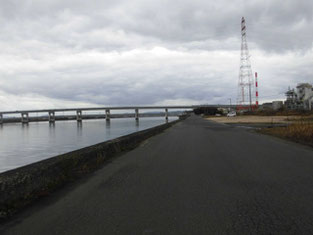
[[22, 144]]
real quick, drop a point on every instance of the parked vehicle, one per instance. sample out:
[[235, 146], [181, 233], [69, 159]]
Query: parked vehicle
[[231, 114]]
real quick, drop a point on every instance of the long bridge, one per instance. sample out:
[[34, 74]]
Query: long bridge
[[79, 111]]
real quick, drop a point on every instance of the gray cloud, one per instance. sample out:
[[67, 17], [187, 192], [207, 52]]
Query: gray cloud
[[272, 25], [149, 52]]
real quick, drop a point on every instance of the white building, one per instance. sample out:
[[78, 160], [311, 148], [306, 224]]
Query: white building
[[301, 98]]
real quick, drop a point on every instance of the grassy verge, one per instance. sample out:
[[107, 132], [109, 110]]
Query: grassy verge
[[300, 131]]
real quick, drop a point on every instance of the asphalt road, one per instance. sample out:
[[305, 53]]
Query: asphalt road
[[197, 177]]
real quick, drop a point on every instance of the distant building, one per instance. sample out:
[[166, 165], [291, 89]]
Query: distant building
[[223, 110], [290, 102], [266, 106], [300, 98], [275, 105]]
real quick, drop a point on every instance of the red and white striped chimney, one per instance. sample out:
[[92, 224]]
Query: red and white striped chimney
[[256, 90]]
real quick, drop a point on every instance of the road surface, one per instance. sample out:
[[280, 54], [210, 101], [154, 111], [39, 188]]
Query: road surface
[[198, 177]]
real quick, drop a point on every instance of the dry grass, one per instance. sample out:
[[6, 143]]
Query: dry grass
[[299, 131]]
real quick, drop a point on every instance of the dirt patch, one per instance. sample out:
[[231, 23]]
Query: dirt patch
[[297, 128], [255, 119]]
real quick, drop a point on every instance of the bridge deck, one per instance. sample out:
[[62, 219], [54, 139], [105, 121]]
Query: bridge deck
[[118, 108]]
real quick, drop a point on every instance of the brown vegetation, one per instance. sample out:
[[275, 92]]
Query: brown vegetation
[[299, 131]]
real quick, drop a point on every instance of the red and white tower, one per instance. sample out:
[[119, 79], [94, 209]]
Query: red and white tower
[[245, 82], [256, 91]]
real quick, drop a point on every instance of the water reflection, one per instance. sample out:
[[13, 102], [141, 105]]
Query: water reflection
[[52, 130], [25, 125], [79, 129], [108, 128], [137, 125]]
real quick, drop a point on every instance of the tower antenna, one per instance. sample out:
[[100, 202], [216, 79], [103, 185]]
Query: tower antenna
[[245, 81]]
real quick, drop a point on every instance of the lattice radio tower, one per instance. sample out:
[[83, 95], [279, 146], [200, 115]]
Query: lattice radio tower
[[245, 83]]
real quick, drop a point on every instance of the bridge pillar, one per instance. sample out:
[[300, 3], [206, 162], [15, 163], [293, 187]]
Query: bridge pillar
[[137, 114], [79, 116], [107, 114], [1, 118], [51, 116], [166, 114], [25, 117]]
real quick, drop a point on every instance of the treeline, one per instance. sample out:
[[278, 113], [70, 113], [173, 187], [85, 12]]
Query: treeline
[[206, 111]]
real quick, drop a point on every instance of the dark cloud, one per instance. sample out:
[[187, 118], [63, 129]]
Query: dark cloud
[[148, 52], [272, 25]]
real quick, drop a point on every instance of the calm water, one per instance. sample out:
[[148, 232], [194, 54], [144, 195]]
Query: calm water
[[24, 144]]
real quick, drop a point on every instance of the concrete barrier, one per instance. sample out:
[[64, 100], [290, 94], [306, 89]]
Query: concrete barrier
[[21, 186]]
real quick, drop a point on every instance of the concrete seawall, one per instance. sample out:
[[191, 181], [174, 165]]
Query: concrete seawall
[[21, 186]]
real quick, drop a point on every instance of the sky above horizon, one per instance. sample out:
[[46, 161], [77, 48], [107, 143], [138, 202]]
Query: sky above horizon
[[77, 53]]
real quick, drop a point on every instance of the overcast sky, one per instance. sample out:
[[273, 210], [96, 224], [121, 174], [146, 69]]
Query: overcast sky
[[74, 53]]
